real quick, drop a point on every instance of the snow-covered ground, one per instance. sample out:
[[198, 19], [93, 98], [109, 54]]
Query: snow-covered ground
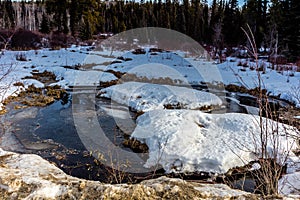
[[290, 185], [172, 65], [73, 78], [185, 140], [158, 65], [277, 83], [194, 71], [146, 96], [54, 61], [179, 140]]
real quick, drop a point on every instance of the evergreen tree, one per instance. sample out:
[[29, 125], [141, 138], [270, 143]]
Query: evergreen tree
[[9, 15], [219, 24], [232, 24], [181, 21], [213, 21], [45, 25], [205, 26], [292, 27], [59, 9], [275, 27], [75, 16], [23, 14]]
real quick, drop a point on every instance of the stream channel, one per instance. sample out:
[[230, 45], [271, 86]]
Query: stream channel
[[52, 133]]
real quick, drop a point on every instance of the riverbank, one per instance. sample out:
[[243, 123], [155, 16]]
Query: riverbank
[[94, 73]]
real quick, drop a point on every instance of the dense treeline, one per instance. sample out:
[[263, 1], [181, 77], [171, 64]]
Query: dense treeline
[[275, 22]]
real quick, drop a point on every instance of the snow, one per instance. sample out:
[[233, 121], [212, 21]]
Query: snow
[[290, 185], [277, 84], [166, 64], [152, 65], [159, 71], [146, 96], [34, 82], [186, 141], [194, 71], [100, 67], [86, 78], [28, 176], [53, 61], [47, 188]]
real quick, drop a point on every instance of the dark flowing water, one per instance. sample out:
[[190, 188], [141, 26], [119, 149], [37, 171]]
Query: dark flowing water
[[52, 132]]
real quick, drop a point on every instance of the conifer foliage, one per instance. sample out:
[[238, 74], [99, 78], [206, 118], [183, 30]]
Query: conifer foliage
[[215, 22]]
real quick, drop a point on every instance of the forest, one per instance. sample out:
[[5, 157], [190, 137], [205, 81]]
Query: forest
[[275, 23]]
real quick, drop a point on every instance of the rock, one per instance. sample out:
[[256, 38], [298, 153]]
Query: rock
[[31, 177]]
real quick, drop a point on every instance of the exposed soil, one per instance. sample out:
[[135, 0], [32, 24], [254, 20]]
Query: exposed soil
[[139, 51], [45, 77], [126, 77], [255, 92], [287, 116], [107, 84], [116, 73]]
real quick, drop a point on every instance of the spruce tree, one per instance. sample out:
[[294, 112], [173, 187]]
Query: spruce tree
[[45, 25]]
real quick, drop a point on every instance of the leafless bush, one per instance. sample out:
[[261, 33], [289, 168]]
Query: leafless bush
[[5, 83], [267, 141], [5, 68], [5, 39], [25, 39], [295, 93], [115, 171], [58, 40]]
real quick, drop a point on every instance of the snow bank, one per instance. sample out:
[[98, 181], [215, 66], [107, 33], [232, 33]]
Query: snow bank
[[34, 82], [194, 71], [86, 78], [185, 140], [289, 184], [53, 61], [145, 97], [277, 83]]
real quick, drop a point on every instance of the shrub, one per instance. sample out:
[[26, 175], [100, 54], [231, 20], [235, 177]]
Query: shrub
[[58, 40], [25, 39], [21, 57], [139, 51]]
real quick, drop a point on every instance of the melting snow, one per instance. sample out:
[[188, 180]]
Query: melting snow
[[185, 140], [145, 97]]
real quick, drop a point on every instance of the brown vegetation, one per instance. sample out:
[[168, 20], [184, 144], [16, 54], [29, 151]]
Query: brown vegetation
[[135, 145], [139, 51], [44, 77], [242, 89], [34, 96]]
